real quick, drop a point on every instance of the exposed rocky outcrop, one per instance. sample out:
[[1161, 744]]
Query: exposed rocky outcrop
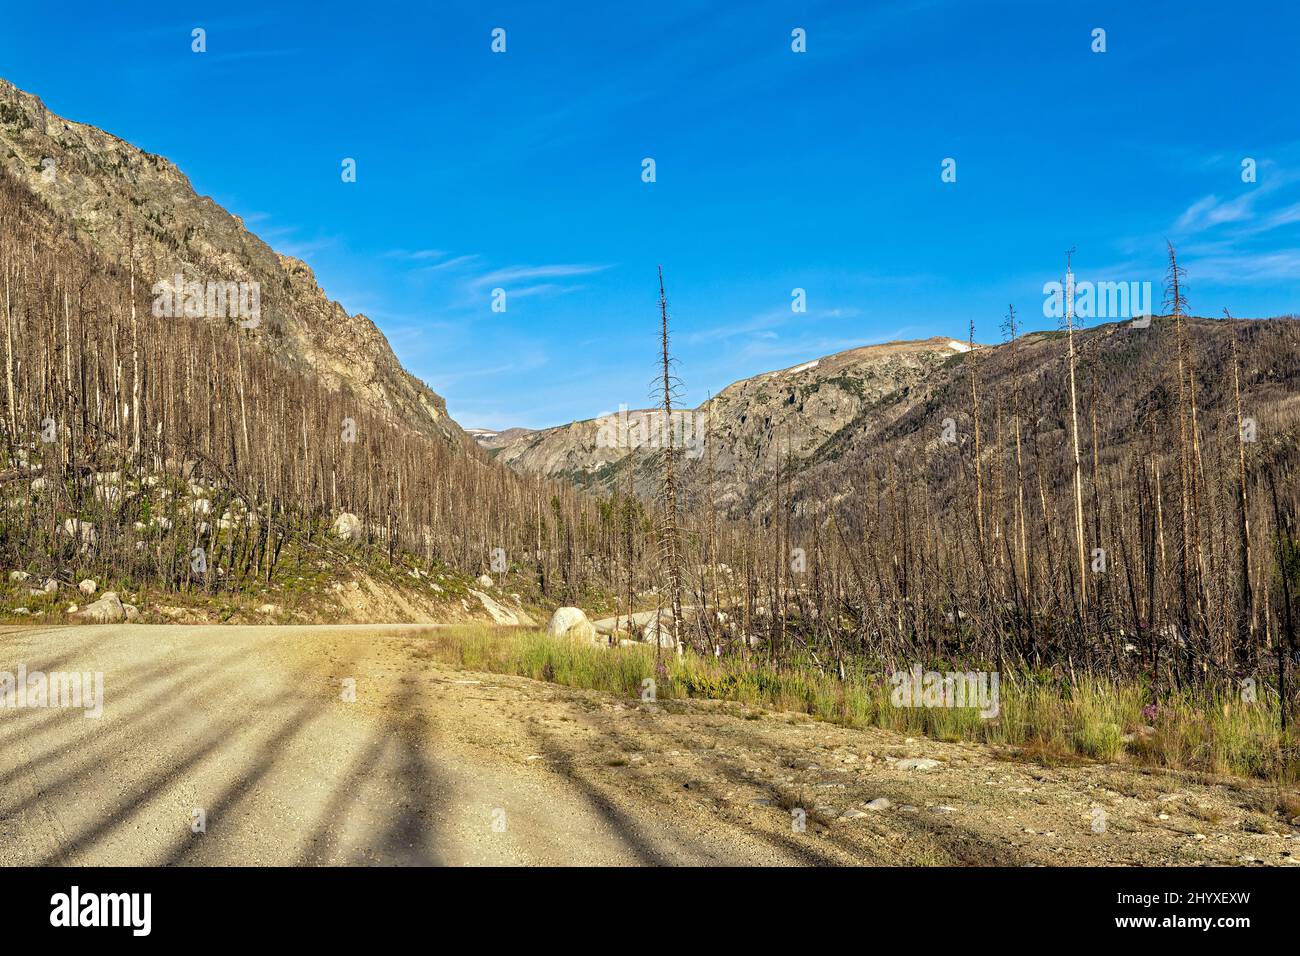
[[754, 426], [115, 194]]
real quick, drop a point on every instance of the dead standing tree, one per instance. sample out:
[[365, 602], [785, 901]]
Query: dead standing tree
[[1077, 469], [1246, 626], [669, 543]]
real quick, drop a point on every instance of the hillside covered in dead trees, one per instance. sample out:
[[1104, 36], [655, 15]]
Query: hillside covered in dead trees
[[132, 440], [1119, 501]]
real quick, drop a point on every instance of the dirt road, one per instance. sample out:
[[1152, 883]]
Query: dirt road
[[431, 764]]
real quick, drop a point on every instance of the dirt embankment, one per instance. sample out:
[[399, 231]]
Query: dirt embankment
[[354, 597]]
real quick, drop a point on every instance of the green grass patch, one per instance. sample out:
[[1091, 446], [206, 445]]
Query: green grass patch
[[1047, 716]]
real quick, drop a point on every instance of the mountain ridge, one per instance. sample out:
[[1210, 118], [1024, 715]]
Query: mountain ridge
[[756, 432], [130, 203]]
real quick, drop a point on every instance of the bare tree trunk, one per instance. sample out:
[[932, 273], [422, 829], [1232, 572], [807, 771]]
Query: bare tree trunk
[[669, 544], [1074, 442]]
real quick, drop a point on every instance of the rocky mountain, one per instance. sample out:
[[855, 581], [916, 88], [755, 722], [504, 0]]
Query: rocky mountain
[[754, 426], [115, 196], [491, 439], [819, 426]]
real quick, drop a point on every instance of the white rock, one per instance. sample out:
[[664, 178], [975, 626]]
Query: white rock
[[107, 610], [878, 804], [571, 622], [87, 586], [347, 526], [18, 575], [500, 613], [83, 531], [917, 763], [658, 631]]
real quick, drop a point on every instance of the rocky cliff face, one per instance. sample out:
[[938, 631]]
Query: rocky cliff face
[[115, 196], [754, 427], [820, 427]]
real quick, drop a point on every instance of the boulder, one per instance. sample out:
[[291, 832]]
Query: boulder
[[18, 576], [917, 763], [107, 610], [658, 631], [484, 581], [83, 531], [500, 613], [571, 622], [88, 586], [348, 526]]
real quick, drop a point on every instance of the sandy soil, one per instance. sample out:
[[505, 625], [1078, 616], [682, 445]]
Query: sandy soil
[[431, 764]]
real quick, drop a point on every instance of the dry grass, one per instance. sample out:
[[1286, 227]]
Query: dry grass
[[1052, 720]]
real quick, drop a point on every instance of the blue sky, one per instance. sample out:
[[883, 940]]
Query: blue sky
[[775, 170]]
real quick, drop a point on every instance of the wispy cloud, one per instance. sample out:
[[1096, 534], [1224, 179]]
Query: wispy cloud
[[1211, 211], [453, 263], [502, 277], [414, 255], [1252, 209], [1237, 267]]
